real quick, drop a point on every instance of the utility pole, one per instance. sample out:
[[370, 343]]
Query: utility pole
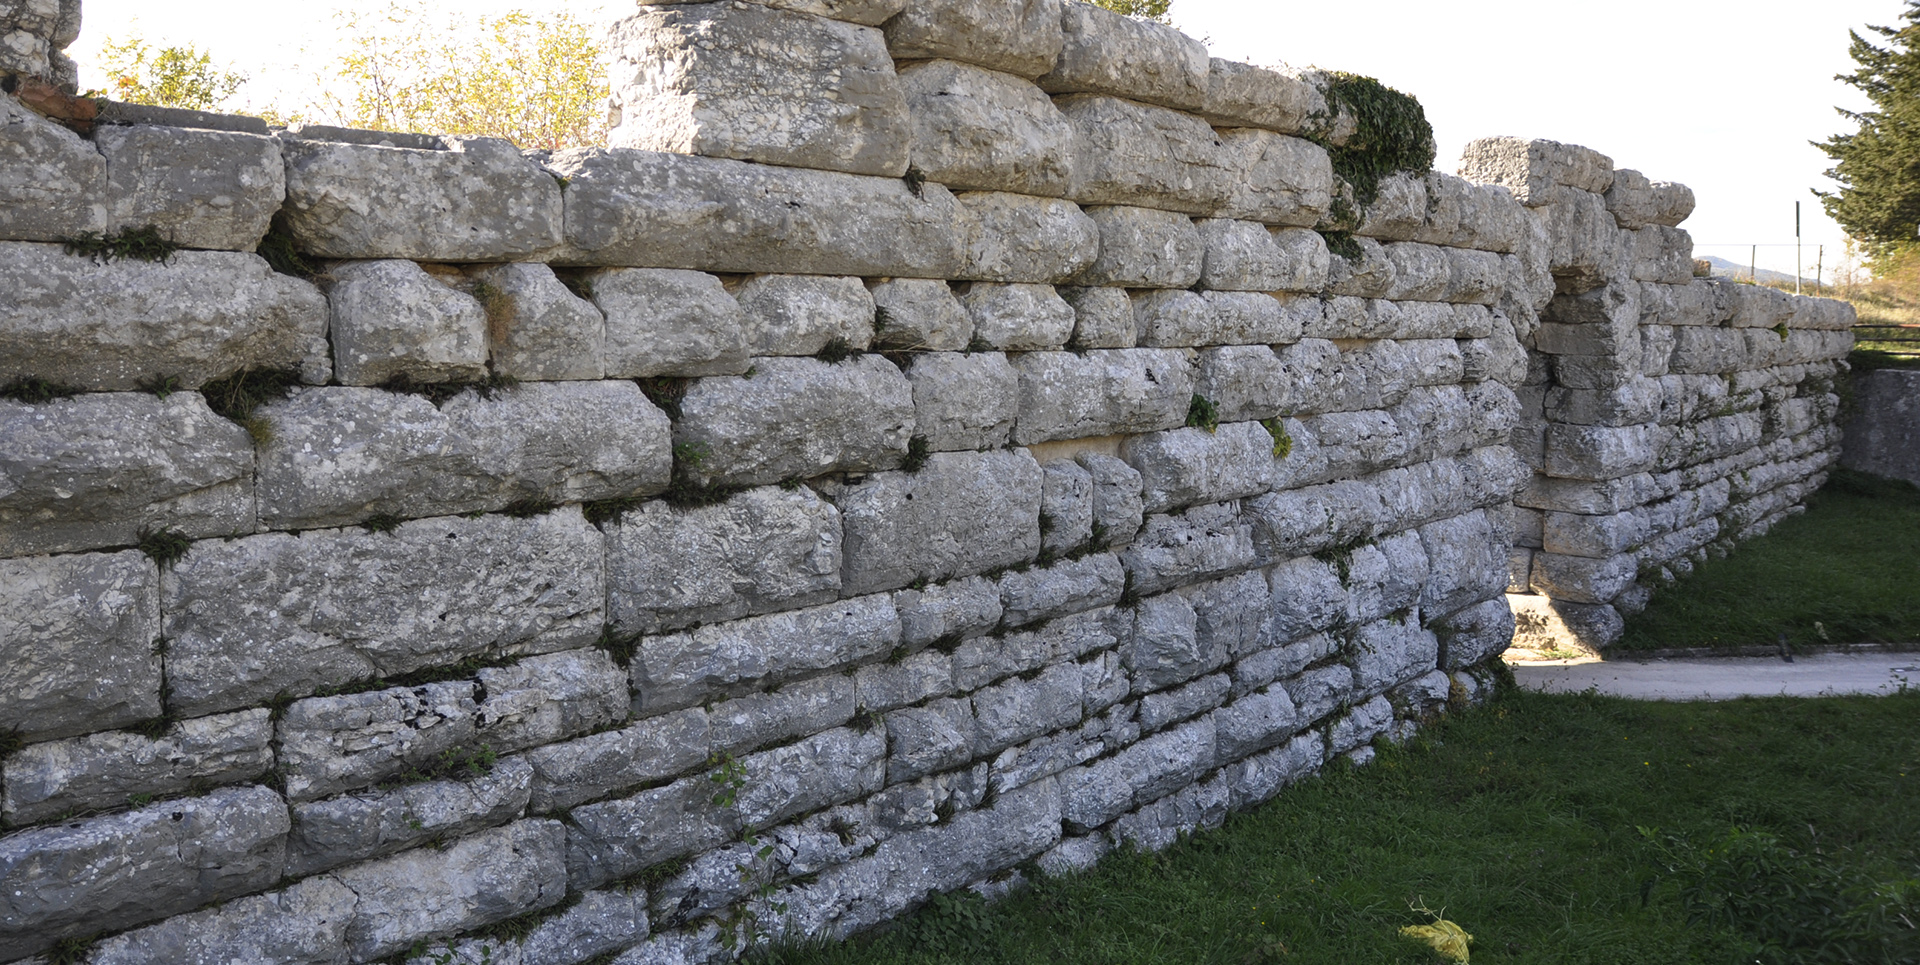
[[1753, 264], [1796, 247], [1819, 262]]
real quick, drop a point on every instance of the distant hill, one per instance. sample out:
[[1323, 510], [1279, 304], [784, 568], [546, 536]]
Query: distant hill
[[1723, 268]]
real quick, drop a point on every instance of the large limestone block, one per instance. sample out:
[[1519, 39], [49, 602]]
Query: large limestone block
[[569, 773], [1203, 543], [1117, 505], [1245, 256], [1534, 169], [478, 880], [796, 418], [1276, 180], [1128, 153], [304, 923], [77, 634], [1883, 437], [802, 314], [128, 869], [255, 617], [1173, 318], [375, 823], [1600, 452], [91, 471], [1181, 467], [202, 189], [640, 208], [1016, 238], [762, 550], [52, 183], [1662, 254], [550, 697], [960, 514], [101, 771], [977, 129], [196, 317], [677, 670], [1097, 793], [1671, 203], [1583, 580], [393, 320], [919, 313], [1104, 52], [1241, 95], [747, 81], [818, 772], [608, 840], [964, 400], [341, 455], [540, 330], [1144, 248], [1021, 37], [1585, 245], [1102, 317], [1244, 382], [478, 200], [669, 322], [326, 745], [1067, 395], [1019, 318], [868, 12]]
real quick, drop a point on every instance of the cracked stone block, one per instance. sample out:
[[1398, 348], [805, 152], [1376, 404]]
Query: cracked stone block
[[277, 612], [1018, 318], [964, 400], [478, 880], [930, 738], [371, 824], [1068, 395], [1016, 709], [1182, 319], [1015, 238], [919, 313], [1157, 710], [102, 771], [391, 319], [1021, 38], [1240, 95], [1163, 647], [538, 329], [1134, 154], [1476, 633], [669, 322], [823, 770], [962, 513], [1244, 382], [1279, 180], [1389, 652], [303, 924], [52, 182], [1578, 579], [202, 189], [549, 697], [980, 130], [1104, 52], [196, 317], [93, 471], [567, 773], [851, 416], [79, 635], [477, 200], [676, 670], [333, 744], [952, 610], [909, 680], [1095, 794], [1144, 248], [802, 314], [755, 83]]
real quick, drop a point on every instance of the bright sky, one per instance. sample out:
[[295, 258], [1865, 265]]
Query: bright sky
[[1720, 96]]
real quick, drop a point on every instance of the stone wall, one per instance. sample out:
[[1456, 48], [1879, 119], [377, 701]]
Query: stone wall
[[33, 37], [1883, 435], [929, 449]]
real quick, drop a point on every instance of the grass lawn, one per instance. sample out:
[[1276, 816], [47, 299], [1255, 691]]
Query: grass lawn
[[1522, 821], [1851, 563]]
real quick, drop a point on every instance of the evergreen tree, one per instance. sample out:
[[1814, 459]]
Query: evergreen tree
[[1878, 166]]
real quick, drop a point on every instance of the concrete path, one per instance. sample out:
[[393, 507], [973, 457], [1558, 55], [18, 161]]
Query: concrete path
[[1723, 678]]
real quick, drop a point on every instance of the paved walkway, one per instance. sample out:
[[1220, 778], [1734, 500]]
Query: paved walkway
[[1723, 678]]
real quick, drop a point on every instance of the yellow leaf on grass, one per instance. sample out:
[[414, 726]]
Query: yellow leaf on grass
[[1447, 938]]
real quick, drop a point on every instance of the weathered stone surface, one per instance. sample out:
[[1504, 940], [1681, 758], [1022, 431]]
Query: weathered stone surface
[[202, 189], [1022, 39], [1244, 382], [683, 669], [78, 634], [629, 207], [1144, 248], [795, 710], [978, 661], [549, 697], [304, 924], [281, 613], [1243, 256], [910, 680], [1239, 95], [964, 400], [478, 200], [390, 319], [796, 418], [1018, 318], [748, 81], [111, 326], [1190, 547], [1066, 395], [1582, 580], [342, 455], [1884, 437], [1671, 203], [930, 738], [128, 869], [1157, 710], [962, 513], [1066, 507], [1277, 180], [668, 322], [965, 607], [825, 769], [802, 314], [1134, 154], [866, 12], [1476, 633], [1103, 317], [1532, 169], [1104, 52], [916, 313], [567, 773], [1066, 587], [371, 824], [1016, 238], [1262, 776], [977, 129], [333, 744], [539, 330], [52, 183], [1181, 467], [478, 880], [103, 770], [98, 470], [1018, 709], [1098, 793], [1118, 507]]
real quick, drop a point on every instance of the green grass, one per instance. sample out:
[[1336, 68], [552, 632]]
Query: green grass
[[1850, 563], [1522, 820]]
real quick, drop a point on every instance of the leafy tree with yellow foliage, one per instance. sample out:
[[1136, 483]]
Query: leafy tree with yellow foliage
[[167, 77]]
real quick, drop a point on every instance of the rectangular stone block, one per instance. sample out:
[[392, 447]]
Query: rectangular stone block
[[539, 330], [276, 613], [1103, 317], [196, 317], [113, 872], [677, 670], [52, 183], [1062, 589], [1599, 452], [1467, 560], [1580, 579], [1022, 38], [1016, 238], [639, 208], [105, 770], [977, 129], [919, 313], [477, 200], [1018, 318], [1244, 256], [1067, 395], [391, 320], [78, 636], [664, 322], [912, 679], [962, 513], [795, 710], [964, 400], [1097, 793], [1181, 467], [1134, 154], [1144, 248], [1200, 544], [803, 314], [953, 610], [1276, 180], [549, 697], [823, 770], [202, 189], [1531, 169], [301, 924], [1104, 52], [478, 880], [790, 420], [1240, 95], [1244, 382], [333, 744], [356, 827], [567, 773]]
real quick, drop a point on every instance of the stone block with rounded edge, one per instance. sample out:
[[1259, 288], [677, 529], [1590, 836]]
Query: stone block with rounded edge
[[1018, 318], [102, 771], [802, 314], [478, 200], [1104, 52], [669, 322], [370, 824], [1136, 154], [1102, 317], [1241, 95], [1277, 180], [1022, 38], [1244, 382], [78, 636], [963, 400], [1181, 467], [1581, 579], [978, 129], [1671, 203], [1532, 169], [1066, 507], [116, 325], [304, 923], [1474, 633], [761, 550], [113, 872], [92, 471], [326, 745], [1193, 546], [640, 208], [202, 189], [919, 313], [1144, 248], [52, 182], [795, 418], [277, 612], [962, 513], [475, 881], [953, 610], [609, 840], [1062, 589], [549, 697], [539, 330], [755, 83], [342, 455], [1244, 256], [1118, 507], [392, 320], [1093, 794], [676, 670], [567, 773], [1067, 395], [1016, 238]]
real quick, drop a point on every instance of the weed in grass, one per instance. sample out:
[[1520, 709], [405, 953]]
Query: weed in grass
[[135, 244], [36, 391], [164, 546]]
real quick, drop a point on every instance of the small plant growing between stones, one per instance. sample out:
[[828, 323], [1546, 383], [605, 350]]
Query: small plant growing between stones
[[164, 546], [600, 511], [1203, 414], [918, 452], [916, 181], [36, 391], [836, 350], [882, 319], [1343, 244], [1781, 330], [137, 244], [1129, 594], [440, 393], [580, 283], [978, 343], [499, 307], [1282, 440], [160, 386], [381, 523], [281, 254], [665, 393], [619, 646], [238, 396], [529, 508], [72, 951], [10, 741], [1340, 557]]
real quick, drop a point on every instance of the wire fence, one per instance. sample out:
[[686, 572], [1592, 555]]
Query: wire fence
[[1894, 338]]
